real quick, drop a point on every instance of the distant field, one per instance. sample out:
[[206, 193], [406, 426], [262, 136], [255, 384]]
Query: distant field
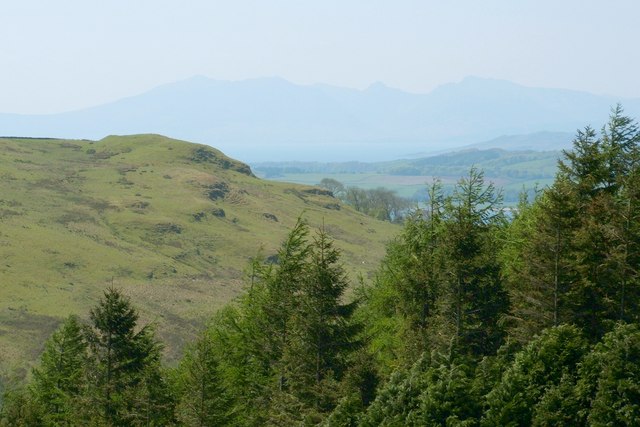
[[411, 187], [510, 171], [405, 186]]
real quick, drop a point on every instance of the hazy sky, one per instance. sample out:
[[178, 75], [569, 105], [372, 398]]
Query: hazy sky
[[68, 54]]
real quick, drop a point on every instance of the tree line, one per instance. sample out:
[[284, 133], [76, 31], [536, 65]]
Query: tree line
[[474, 318], [380, 202]]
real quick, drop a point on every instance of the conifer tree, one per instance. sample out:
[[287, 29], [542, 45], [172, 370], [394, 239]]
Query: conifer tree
[[403, 299], [18, 408], [59, 380], [120, 357], [279, 298], [474, 299], [603, 171], [604, 391], [323, 336], [203, 398], [540, 365], [538, 263]]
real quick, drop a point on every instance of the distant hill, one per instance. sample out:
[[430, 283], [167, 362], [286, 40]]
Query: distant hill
[[496, 162], [537, 141], [510, 170], [272, 119], [172, 223]]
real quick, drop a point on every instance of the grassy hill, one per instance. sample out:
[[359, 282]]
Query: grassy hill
[[172, 223]]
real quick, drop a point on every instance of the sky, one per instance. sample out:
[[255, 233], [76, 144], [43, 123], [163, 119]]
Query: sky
[[72, 54]]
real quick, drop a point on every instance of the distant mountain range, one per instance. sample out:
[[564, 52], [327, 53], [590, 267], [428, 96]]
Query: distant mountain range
[[272, 119]]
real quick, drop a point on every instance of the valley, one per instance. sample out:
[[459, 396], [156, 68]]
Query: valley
[[512, 171]]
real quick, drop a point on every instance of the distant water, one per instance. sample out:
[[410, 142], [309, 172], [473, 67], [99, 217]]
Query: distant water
[[328, 152]]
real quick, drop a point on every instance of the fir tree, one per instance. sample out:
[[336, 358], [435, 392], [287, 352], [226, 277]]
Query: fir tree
[[120, 356], [474, 299], [59, 380], [203, 398], [323, 336], [537, 367], [538, 263]]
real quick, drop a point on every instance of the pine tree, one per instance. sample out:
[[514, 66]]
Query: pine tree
[[254, 334], [608, 379], [399, 396], [120, 357], [279, 299], [539, 366], [474, 299], [59, 380], [604, 391], [151, 402], [625, 255], [448, 398], [538, 261], [603, 172], [403, 299], [621, 139], [203, 398], [18, 408], [323, 336]]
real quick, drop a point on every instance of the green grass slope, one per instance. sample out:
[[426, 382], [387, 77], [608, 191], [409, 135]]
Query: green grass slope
[[172, 223]]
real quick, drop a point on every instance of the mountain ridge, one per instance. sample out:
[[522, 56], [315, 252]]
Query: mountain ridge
[[272, 119]]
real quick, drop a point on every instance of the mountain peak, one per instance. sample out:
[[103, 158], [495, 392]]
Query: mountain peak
[[476, 81], [377, 86], [271, 118]]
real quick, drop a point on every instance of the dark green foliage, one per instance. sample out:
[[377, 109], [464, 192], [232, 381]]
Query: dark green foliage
[[559, 406], [285, 353], [105, 373], [570, 256], [473, 296], [399, 397], [605, 389], [427, 394], [538, 264], [203, 399], [441, 280], [322, 334], [448, 398], [59, 381], [541, 364], [603, 174], [20, 409], [268, 308], [346, 413], [125, 383], [153, 397], [407, 288], [608, 379]]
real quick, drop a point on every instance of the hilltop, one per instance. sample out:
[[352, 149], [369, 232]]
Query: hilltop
[[172, 223]]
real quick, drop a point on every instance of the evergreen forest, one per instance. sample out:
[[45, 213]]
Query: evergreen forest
[[477, 316]]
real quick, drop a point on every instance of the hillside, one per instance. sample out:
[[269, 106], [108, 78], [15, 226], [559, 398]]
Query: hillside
[[273, 119], [172, 223]]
